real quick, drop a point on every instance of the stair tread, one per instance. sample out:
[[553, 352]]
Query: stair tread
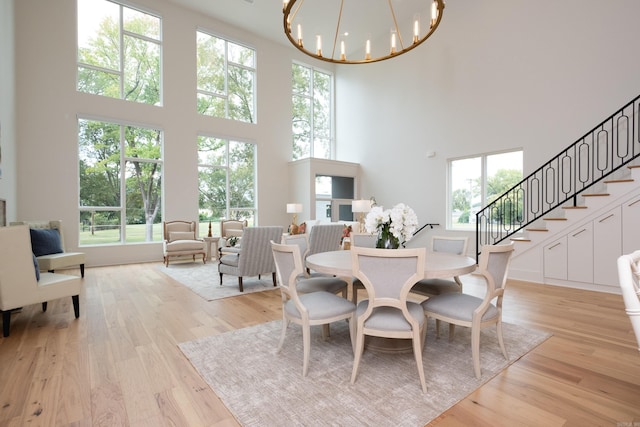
[[574, 207], [633, 166], [555, 219], [520, 239], [536, 229], [596, 195], [614, 181]]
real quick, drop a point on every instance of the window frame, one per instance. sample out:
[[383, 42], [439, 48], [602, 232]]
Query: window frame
[[226, 95], [310, 97], [121, 59], [450, 225]]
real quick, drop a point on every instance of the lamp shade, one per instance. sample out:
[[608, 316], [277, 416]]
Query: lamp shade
[[361, 205], [294, 207]]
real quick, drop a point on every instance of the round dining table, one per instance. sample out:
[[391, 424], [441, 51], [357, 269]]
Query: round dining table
[[438, 265]]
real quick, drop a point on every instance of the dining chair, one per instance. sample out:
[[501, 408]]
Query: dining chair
[[429, 287], [388, 276], [629, 277], [360, 240], [474, 312], [316, 281], [308, 309]]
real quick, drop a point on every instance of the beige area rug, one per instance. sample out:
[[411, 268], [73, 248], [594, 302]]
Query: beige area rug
[[262, 388], [204, 280]]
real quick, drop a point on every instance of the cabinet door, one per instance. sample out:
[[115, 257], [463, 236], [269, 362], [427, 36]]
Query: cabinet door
[[607, 247], [580, 254], [555, 259], [631, 225]]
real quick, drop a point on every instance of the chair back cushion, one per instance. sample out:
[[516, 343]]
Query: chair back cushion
[[325, 238], [256, 256], [45, 241], [454, 245], [181, 235]]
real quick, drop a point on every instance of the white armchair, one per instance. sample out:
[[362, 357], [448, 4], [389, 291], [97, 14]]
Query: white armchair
[[629, 276], [21, 282], [47, 241], [180, 240]]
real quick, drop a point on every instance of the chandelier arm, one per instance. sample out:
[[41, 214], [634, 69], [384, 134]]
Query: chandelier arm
[[295, 12], [395, 23], [335, 38]]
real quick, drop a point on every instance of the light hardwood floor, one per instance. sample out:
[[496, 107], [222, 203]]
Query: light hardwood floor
[[119, 364]]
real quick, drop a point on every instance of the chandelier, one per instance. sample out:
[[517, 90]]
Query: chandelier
[[359, 31]]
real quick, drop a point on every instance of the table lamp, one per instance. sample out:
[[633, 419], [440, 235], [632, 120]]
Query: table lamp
[[295, 209], [361, 207]]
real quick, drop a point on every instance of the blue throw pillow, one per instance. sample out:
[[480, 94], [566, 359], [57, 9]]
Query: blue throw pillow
[[45, 241], [36, 266]]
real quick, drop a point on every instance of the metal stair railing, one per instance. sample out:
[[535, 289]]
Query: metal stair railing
[[600, 152]]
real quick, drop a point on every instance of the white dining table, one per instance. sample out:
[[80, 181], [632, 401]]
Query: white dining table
[[438, 265]]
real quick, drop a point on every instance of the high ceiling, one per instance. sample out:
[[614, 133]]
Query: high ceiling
[[261, 17]]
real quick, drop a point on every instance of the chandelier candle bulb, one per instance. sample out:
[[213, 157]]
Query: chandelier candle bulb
[[367, 54], [434, 13], [343, 56], [319, 45], [393, 42], [416, 31], [299, 35]]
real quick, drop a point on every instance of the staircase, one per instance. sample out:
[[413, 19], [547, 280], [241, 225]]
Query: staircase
[[599, 171]]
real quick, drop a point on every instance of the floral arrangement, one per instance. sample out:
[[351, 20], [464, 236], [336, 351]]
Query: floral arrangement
[[394, 226]]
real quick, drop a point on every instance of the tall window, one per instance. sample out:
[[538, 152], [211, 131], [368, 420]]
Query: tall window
[[120, 183], [227, 175], [312, 112], [119, 51], [226, 78], [476, 181]]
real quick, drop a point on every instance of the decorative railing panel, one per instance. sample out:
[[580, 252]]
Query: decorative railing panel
[[600, 152]]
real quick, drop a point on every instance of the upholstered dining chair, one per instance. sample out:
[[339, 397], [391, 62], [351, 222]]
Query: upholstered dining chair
[[22, 283], [180, 240], [360, 240], [388, 275], [474, 312], [324, 238], [315, 282], [429, 287], [308, 309], [254, 256], [629, 277]]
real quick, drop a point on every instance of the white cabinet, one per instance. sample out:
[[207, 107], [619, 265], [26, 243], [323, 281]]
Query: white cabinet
[[631, 225], [555, 259], [580, 254], [607, 247]]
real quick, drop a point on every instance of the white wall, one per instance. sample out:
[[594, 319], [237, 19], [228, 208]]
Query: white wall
[[494, 76], [7, 111], [48, 106]]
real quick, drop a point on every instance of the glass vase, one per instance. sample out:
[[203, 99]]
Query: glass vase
[[386, 240]]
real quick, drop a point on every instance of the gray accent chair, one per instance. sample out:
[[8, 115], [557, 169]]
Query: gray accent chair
[[253, 257], [308, 309], [388, 275], [474, 312], [431, 287]]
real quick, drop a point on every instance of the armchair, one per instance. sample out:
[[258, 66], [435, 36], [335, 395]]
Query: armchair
[[254, 257], [180, 240], [231, 228], [47, 241], [20, 285]]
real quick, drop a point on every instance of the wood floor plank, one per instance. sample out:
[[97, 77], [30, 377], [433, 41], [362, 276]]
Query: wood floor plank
[[120, 365]]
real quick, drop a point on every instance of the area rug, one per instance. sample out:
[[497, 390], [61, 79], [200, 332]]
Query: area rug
[[262, 388], [204, 280]]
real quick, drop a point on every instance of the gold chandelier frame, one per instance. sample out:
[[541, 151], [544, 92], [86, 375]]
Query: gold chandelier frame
[[396, 46]]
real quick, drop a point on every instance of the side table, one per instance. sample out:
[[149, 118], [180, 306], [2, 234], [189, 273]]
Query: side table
[[212, 241]]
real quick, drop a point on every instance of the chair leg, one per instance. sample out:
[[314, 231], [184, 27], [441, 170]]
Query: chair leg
[[240, 284], [452, 330], [6, 322], [285, 323], [475, 350], [220, 279], [273, 277], [501, 339], [417, 352], [81, 270], [44, 306], [76, 305], [166, 261], [306, 345], [358, 352]]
